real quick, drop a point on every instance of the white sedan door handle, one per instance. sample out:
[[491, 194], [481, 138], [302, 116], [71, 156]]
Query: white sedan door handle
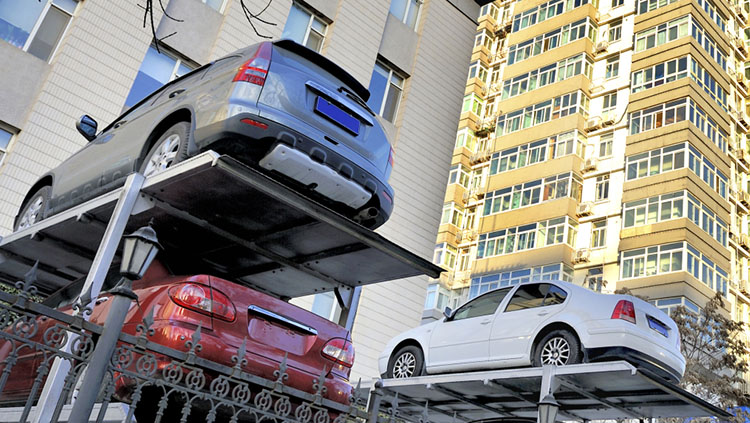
[[542, 313], [485, 322]]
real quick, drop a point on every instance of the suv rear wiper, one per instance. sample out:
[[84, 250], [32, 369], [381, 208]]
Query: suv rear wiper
[[352, 95]]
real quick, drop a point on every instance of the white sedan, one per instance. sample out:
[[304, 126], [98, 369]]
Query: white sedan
[[536, 323]]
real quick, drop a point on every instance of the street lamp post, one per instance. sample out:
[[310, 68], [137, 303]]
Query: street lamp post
[[548, 409], [139, 250]]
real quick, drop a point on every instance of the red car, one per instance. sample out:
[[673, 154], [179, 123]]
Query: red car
[[228, 314]]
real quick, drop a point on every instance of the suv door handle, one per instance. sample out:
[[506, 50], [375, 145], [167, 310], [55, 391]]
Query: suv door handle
[[175, 93]]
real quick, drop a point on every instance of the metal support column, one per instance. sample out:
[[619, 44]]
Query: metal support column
[[90, 291], [373, 404], [97, 369], [349, 304]]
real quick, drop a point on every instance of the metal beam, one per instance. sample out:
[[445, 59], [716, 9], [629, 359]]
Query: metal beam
[[574, 387], [252, 246], [513, 394], [462, 398], [430, 407]]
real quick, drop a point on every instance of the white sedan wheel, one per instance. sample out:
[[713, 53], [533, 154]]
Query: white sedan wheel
[[556, 351]]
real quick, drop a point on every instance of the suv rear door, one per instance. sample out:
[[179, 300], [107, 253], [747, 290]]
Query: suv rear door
[[302, 92]]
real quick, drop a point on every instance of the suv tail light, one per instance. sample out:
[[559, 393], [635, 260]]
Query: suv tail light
[[255, 70], [624, 310], [203, 299], [340, 351]]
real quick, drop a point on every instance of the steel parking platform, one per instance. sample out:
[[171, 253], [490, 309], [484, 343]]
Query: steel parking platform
[[592, 391], [215, 215]]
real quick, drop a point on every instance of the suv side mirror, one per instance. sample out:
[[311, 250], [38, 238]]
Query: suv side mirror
[[448, 313], [86, 125]]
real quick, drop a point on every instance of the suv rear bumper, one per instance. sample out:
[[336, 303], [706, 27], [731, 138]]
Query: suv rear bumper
[[253, 139]]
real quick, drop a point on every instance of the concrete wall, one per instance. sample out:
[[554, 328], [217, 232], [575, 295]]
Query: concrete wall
[[399, 44], [19, 89], [195, 31], [427, 126]]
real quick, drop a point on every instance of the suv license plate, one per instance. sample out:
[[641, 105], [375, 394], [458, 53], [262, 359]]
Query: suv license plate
[[337, 115]]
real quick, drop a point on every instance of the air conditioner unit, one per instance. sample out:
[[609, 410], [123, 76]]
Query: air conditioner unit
[[582, 256], [745, 241], [593, 124], [745, 198], [495, 87], [743, 286], [601, 47], [459, 236], [589, 165], [608, 122], [585, 209]]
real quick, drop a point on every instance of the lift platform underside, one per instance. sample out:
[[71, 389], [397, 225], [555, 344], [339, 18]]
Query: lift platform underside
[[218, 216], [593, 391]]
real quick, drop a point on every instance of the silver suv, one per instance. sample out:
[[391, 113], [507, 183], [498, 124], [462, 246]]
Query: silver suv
[[277, 106]]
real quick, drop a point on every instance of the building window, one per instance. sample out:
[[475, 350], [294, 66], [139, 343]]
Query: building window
[[385, 91], [545, 11], [610, 104], [613, 67], [539, 151], [558, 107], [539, 78], [674, 112], [217, 5], [605, 145], [617, 3], [445, 255], [614, 33], [599, 234], [459, 174], [561, 230], [676, 257], [553, 272], [156, 70], [677, 28], [326, 306], [602, 188], [437, 297], [585, 28], [305, 28], [5, 138], [466, 138], [534, 192], [452, 214], [595, 279], [36, 26], [407, 11], [668, 305]]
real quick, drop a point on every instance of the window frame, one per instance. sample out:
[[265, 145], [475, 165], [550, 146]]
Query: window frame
[[391, 74], [479, 298], [35, 29], [406, 13], [309, 27], [4, 151], [614, 30], [612, 67], [598, 234]]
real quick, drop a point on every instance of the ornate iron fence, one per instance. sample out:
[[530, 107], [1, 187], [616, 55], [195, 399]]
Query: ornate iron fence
[[158, 382]]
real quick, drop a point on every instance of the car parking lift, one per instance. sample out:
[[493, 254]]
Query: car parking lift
[[593, 391], [215, 215]]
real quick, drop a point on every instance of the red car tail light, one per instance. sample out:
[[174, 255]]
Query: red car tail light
[[204, 300], [255, 70], [340, 351], [624, 310]]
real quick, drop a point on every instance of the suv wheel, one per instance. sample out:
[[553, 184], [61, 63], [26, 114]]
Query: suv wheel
[[169, 149]]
